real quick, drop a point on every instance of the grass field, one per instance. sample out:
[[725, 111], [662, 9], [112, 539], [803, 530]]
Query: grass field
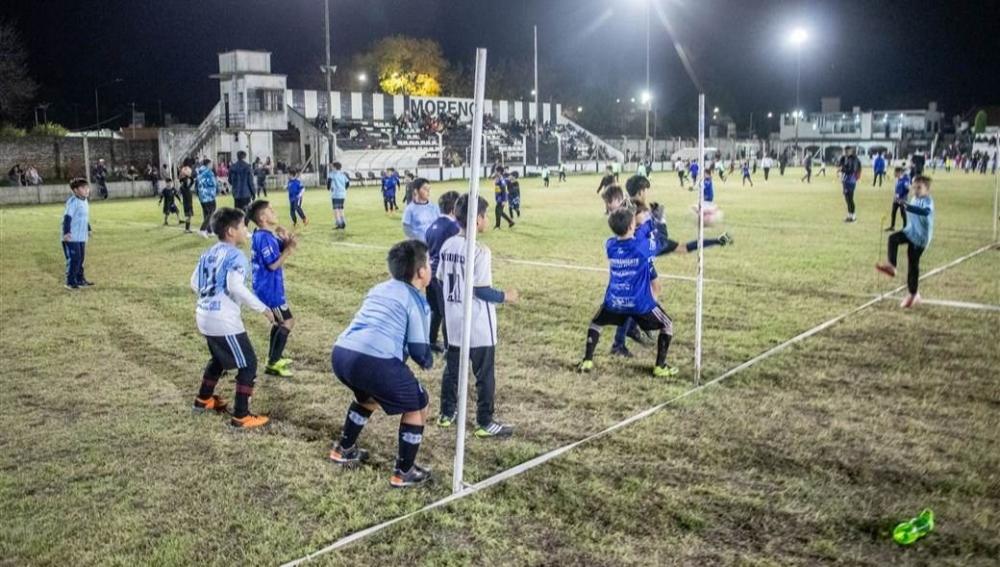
[[809, 457]]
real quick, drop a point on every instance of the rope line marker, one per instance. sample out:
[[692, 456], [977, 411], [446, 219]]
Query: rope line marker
[[552, 454]]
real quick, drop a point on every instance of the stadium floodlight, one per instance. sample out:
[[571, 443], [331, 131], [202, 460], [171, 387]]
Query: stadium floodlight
[[798, 36], [618, 101], [770, 114], [715, 110], [362, 78], [533, 92], [646, 96], [579, 109], [633, 100]]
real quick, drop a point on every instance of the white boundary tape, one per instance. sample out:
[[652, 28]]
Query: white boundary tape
[[545, 457]]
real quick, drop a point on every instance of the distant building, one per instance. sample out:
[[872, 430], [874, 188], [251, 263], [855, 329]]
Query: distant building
[[827, 133]]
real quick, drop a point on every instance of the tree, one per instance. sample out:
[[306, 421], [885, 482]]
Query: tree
[[17, 89], [406, 65], [979, 125]]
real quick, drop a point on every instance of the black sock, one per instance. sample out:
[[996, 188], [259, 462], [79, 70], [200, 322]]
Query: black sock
[[187, 223], [662, 346], [279, 338], [357, 417], [593, 336], [243, 393], [410, 437], [207, 387]]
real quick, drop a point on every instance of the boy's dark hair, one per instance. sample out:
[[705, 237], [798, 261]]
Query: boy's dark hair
[[337, 166], [293, 171], [224, 219], [446, 202], [922, 179], [898, 170], [515, 174], [405, 258], [206, 162], [241, 155], [419, 182], [255, 209], [620, 221], [499, 169], [636, 184], [613, 192], [77, 182], [462, 209]]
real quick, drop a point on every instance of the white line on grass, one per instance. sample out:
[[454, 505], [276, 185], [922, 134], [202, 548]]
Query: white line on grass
[[545, 457], [951, 303]]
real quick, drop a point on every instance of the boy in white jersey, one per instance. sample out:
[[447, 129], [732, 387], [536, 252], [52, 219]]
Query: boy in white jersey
[[451, 274], [220, 282]]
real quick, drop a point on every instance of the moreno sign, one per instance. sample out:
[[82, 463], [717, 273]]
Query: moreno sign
[[441, 105]]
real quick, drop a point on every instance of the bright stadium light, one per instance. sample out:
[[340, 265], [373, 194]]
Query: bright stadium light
[[618, 101], [633, 100], [770, 114], [646, 97], [798, 36], [579, 109], [715, 110], [362, 77], [532, 92]]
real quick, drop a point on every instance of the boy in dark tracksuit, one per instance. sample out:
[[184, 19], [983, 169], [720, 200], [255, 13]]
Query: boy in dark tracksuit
[[902, 191], [169, 199]]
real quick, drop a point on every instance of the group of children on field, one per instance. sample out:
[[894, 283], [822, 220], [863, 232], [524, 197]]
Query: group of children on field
[[401, 318]]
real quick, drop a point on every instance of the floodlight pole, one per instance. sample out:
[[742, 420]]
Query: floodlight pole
[[700, 278], [329, 87], [798, 79], [647, 94], [470, 253], [538, 109]]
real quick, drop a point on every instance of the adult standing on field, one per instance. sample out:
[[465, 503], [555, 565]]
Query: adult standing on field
[[850, 172], [878, 166], [241, 180], [100, 175]]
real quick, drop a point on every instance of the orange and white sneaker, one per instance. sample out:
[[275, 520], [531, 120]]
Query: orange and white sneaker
[[347, 458], [249, 421], [416, 476], [214, 403]]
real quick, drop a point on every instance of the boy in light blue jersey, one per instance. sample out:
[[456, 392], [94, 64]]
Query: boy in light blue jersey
[[76, 232], [338, 182], [296, 193], [219, 279], [369, 357], [420, 213], [916, 235], [271, 246]]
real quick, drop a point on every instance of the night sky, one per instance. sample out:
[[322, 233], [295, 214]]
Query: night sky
[[889, 54]]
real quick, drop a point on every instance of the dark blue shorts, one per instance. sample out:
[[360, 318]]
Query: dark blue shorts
[[388, 381]]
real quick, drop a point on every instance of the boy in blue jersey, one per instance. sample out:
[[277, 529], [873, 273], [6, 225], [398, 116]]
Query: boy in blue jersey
[[369, 357], [390, 182], [296, 193], [441, 230], [337, 182], [693, 172], [746, 174], [219, 279], [629, 293], [500, 192], [420, 213], [899, 200], [514, 191], [270, 249], [878, 166], [483, 335], [76, 232], [916, 235]]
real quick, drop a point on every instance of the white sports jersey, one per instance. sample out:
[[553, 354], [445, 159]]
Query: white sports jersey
[[219, 279], [451, 273]]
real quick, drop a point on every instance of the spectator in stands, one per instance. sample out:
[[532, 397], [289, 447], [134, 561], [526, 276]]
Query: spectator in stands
[[153, 176], [100, 176], [241, 180], [33, 178]]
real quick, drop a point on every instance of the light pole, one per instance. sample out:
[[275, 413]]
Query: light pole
[[799, 36], [647, 94], [97, 102]]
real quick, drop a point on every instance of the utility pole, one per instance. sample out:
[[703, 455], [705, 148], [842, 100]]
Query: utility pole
[[329, 82], [538, 109], [649, 97]]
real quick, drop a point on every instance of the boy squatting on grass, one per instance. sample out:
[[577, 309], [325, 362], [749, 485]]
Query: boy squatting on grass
[[219, 279], [369, 357], [76, 232], [270, 248], [483, 341], [916, 234]]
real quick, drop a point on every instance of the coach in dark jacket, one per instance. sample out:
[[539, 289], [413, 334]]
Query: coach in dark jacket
[[241, 179]]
